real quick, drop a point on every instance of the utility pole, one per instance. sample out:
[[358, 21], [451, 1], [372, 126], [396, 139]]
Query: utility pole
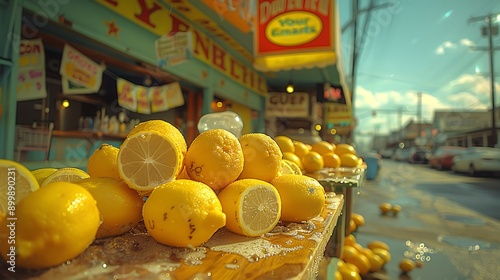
[[419, 114], [490, 30]]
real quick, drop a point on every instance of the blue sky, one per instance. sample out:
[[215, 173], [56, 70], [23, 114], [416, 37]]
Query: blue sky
[[420, 46]]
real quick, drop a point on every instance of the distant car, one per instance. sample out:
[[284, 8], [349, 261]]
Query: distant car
[[477, 160], [419, 155], [387, 153], [401, 155], [442, 159]]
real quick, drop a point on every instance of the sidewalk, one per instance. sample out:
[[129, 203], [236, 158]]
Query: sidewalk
[[450, 249]]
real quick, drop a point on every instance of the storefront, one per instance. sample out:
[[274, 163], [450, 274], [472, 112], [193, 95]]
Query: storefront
[[151, 61]]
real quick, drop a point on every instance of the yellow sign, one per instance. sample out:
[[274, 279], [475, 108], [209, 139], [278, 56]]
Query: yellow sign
[[294, 28], [153, 16], [338, 114]]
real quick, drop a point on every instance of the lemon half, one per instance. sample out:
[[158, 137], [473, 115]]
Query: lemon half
[[17, 183]]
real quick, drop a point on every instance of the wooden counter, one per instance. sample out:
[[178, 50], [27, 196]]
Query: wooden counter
[[290, 251]]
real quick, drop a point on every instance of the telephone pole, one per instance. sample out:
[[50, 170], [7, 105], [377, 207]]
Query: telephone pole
[[489, 30]]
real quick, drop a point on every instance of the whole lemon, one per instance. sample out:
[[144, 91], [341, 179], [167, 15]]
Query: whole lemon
[[302, 197], [301, 149], [323, 147], [348, 160], [262, 157], [312, 162], [183, 213], [119, 205], [331, 160], [293, 157], [285, 143], [344, 148], [54, 224], [104, 162], [215, 158]]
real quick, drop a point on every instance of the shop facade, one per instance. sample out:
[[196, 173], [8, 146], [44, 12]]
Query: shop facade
[[134, 47]]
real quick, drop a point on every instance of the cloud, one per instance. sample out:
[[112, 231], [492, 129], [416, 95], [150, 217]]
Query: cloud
[[441, 49], [466, 42], [475, 84], [368, 99], [467, 101]]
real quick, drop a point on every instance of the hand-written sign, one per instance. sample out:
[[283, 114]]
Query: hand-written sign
[[80, 69], [31, 74], [287, 105], [174, 49]]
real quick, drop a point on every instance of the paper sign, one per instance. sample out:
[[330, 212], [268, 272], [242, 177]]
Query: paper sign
[[174, 95], [68, 87], [141, 94], [80, 70], [174, 49], [287, 105], [126, 95], [31, 74], [166, 97]]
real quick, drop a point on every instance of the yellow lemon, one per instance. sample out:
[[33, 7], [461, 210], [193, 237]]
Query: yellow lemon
[[42, 173], [252, 207], [349, 160], [66, 174], [17, 183], [376, 262], [348, 251], [358, 219], [262, 157], [344, 148], [54, 224], [361, 261], [164, 128], [349, 275], [395, 209], [378, 244], [183, 213], [104, 162], [312, 162], [215, 157], [385, 208], [323, 147], [383, 253], [350, 240], [285, 143], [293, 157], [294, 166], [120, 206], [406, 265], [331, 160], [301, 149], [302, 197], [148, 159], [285, 168]]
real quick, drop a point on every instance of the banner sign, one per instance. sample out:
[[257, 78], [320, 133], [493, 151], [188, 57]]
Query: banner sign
[[31, 74], [238, 13], [287, 105], [80, 70], [126, 96], [174, 49], [293, 26], [337, 114]]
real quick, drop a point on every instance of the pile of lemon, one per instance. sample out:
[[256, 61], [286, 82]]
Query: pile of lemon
[[182, 193], [323, 154]]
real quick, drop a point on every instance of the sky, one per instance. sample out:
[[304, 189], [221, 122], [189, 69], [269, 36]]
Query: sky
[[419, 46]]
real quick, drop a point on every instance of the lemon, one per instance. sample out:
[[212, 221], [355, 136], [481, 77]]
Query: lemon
[[149, 159], [285, 168], [183, 213], [301, 149], [349, 160], [384, 254], [360, 261], [252, 207], [215, 157], [54, 224], [104, 162], [42, 173], [120, 206], [385, 208], [406, 265], [293, 157], [344, 148], [323, 147], [285, 143], [66, 174], [164, 128], [302, 197], [294, 166], [378, 244], [262, 157], [17, 183], [358, 219], [312, 162], [331, 160]]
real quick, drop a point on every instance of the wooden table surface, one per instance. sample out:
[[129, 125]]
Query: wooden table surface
[[290, 251]]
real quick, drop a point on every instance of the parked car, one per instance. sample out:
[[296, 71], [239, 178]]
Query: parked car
[[442, 159], [401, 155], [477, 160], [419, 155]]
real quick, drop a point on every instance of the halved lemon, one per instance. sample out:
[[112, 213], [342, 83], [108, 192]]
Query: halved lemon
[[42, 173], [17, 182], [148, 159], [252, 206], [66, 174]]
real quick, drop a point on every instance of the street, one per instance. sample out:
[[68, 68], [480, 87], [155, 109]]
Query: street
[[448, 221]]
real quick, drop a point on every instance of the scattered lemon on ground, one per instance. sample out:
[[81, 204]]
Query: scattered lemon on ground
[[344, 148], [262, 157], [331, 160], [285, 143], [183, 213], [419, 263], [293, 157], [42, 173], [358, 219], [301, 149], [252, 207], [104, 162], [66, 174], [164, 128], [312, 162], [294, 166], [348, 160], [299, 190], [385, 208], [395, 209], [215, 157], [54, 224], [149, 159], [17, 181], [406, 265], [323, 147], [120, 206], [378, 244]]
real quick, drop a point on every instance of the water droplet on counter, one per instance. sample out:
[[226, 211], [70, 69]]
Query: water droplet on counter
[[232, 266]]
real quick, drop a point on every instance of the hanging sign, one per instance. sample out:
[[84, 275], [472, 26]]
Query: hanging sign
[[287, 105], [126, 96], [338, 114], [31, 73], [143, 105], [80, 69], [166, 97], [174, 49]]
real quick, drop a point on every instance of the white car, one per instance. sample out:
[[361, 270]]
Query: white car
[[477, 160]]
